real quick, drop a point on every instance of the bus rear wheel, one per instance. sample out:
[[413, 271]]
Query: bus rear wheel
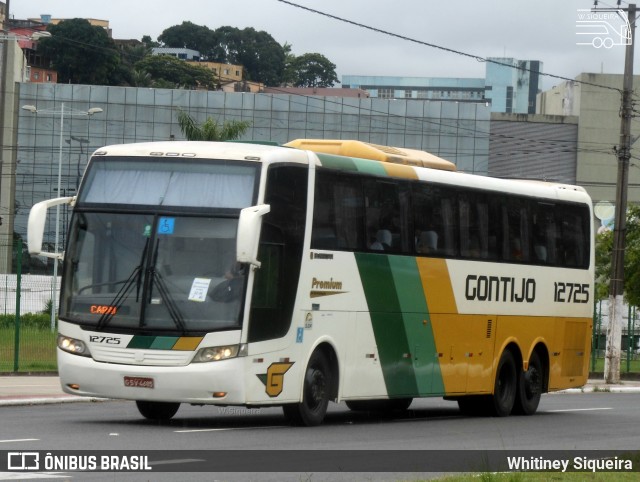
[[315, 394], [159, 411], [529, 387], [505, 387]]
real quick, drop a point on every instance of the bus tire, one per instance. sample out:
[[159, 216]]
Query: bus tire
[[387, 405], [505, 387], [529, 387], [159, 411], [315, 393]]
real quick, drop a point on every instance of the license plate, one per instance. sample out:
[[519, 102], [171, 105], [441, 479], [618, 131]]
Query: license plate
[[140, 382]]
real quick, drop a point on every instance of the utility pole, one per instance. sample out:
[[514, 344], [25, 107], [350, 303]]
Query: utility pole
[[6, 232], [616, 287]]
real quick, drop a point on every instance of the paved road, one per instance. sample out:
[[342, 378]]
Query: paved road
[[22, 389], [585, 421]]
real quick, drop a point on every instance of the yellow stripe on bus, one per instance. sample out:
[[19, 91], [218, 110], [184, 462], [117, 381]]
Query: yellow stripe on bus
[[188, 343], [436, 284], [398, 170]]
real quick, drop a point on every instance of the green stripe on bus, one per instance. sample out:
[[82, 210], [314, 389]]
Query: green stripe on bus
[[140, 341], [371, 167], [352, 164], [388, 325], [417, 324], [401, 324], [337, 162], [163, 342]]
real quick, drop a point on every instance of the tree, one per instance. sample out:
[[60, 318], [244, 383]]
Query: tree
[[148, 42], [169, 72], [81, 53], [141, 78], [211, 129], [261, 56], [190, 36], [311, 70], [129, 56], [257, 51], [604, 247], [289, 75]]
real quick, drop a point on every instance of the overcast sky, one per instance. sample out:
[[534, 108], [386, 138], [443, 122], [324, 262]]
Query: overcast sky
[[542, 30]]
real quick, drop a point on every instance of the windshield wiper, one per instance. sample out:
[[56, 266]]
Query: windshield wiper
[[155, 278], [168, 300], [123, 293], [118, 299]]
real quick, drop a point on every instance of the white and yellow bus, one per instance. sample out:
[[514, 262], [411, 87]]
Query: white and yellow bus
[[257, 275]]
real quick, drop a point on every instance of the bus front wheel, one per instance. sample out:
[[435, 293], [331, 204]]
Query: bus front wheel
[[505, 387], [159, 411], [315, 394]]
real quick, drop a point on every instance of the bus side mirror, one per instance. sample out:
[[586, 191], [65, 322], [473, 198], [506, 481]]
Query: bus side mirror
[[35, 227], [249, 234]]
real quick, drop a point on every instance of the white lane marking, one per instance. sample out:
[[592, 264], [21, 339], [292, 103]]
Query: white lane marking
[[19, 440], [231, 428], [580, 409], [203, 430]]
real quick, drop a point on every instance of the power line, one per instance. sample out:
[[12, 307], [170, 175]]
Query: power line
[[440, 47]]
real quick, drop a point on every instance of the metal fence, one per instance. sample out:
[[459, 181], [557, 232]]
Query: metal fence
[[27, 326], [630, 342], [28, 334]]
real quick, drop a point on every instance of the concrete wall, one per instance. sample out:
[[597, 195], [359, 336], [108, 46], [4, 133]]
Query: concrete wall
[[596, 99], [533, 147]]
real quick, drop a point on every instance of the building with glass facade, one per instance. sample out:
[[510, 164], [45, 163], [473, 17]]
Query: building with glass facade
[[455, 131], [509, 86], [420, 88]]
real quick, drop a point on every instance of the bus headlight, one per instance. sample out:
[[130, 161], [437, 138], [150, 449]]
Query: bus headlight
[[71, 345], [217, 353]]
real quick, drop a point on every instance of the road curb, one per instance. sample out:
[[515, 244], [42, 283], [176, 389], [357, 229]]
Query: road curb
[[601, 389], [48, 400]]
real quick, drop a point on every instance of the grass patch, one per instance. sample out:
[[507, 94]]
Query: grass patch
[[36, 351], [634, 365]]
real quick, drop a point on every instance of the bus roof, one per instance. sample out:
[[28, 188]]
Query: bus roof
[[366, 150], [348, 155], [189, 149]]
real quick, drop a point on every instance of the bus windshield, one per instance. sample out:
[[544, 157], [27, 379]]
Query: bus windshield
[[152, 247]]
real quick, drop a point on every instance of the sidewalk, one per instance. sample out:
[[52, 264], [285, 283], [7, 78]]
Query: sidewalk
[[42, 389], [35, 390]]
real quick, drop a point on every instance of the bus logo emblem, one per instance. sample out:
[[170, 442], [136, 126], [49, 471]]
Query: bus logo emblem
[[274, 378]]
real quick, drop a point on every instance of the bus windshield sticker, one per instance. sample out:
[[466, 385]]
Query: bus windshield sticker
[[147, 231], [199, 289], [166, 225]]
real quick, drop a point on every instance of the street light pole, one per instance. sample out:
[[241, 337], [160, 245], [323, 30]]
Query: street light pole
[[62, 112], [54, 283]]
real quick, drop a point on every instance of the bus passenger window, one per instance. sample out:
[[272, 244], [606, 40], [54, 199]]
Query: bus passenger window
[[427, 242], [382, 241], [337, 216]]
